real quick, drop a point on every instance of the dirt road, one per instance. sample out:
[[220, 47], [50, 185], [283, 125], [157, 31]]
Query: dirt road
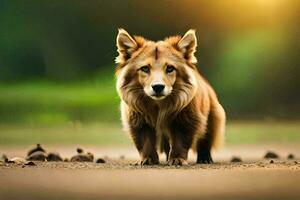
[[122, 179]]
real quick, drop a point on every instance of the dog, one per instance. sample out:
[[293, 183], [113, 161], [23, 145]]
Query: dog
[[165, 101]]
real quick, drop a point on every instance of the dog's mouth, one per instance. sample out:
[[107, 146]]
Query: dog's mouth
[[158, 96]]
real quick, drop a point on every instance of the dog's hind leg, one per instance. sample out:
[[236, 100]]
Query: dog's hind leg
[[214, 135]]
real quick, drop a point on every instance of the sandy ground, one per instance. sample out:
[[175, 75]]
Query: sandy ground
[[254, 178]]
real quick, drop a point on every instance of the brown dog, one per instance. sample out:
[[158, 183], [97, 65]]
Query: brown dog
[[164, 99]]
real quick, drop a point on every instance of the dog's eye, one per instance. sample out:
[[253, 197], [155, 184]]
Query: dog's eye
[[145, 69], [170, 69]]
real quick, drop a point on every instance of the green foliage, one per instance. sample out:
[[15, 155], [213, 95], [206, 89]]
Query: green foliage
[[48, 102], [247, 65], [248, 51]]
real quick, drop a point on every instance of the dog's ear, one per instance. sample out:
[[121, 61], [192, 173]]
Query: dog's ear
[[188, 45], [126, 46]]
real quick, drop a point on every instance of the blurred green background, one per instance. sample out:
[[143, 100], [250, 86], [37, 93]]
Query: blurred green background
[[57, 70]]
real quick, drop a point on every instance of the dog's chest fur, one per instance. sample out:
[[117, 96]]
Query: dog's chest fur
[[157, 116]]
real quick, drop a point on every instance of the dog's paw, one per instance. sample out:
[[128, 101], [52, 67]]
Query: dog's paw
[[149, 161], [204, 159], [177, 161]]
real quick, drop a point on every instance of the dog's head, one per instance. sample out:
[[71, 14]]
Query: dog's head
[[156, 70]]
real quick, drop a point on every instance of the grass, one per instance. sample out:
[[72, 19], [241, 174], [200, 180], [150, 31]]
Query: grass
[[72, 133], [106, 134], [50, 102], [263, 132], [86, 112]]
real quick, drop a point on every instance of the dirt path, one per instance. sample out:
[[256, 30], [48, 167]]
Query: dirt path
[[123, 179]]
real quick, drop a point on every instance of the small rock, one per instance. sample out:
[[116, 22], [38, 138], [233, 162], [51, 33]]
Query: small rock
[[66, 160], [11, 161], [17, 160], [291, 156], [236, 159], [79, 150], [90, 155], [100, 160], [4, 158], [30, 163], [296, 162], [54, 157], [81, 158], [122, 157], [38, 148], [37, 156], [271, 161], [271, 155]]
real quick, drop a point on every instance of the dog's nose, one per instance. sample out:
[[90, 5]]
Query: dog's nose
[[158, 88]]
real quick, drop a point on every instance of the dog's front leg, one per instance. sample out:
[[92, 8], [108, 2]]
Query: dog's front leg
[[144, 138], [179, 148], [181, 138]]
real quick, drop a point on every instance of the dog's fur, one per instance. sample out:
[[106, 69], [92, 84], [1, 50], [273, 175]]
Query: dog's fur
[[186, 115]]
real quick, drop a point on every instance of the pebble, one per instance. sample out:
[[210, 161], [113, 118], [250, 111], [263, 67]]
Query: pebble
[[54, 157], [4, 158], [271, 155], [291, 156], [81, 158], [100, 160], [37, 156], [38, 148], [90, 155], [30, 163], [17, 160], [236, 159], [79, 150]]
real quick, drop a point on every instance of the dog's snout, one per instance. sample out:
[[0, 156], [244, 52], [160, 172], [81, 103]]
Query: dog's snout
[[158, 88]]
